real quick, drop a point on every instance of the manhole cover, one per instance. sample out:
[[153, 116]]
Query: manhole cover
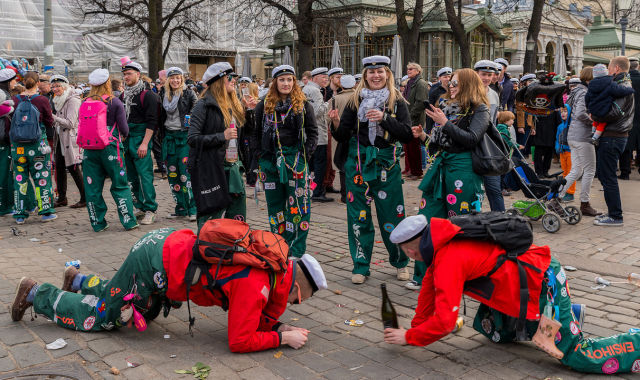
[[67, 370]]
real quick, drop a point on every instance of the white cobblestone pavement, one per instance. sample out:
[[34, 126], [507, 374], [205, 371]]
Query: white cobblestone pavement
[[334, 350]]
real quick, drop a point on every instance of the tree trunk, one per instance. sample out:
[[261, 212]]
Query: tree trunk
[[154, 42], [458, 33], [530, 56], [304, 23], [410, 35]]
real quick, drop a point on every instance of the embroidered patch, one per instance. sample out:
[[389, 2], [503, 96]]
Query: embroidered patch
[[270, 186], [464, 207], [423, 203], [357, 179], [451, 199], [299, 192], [20, 150], [280, 216], [22, 160], [272, 220], [573, 326], [563, 291], [363, 215], [42, 182], [558, 337], [176, 187], [635, 368], [89, 180], [487, 325], [93, 281], [32, 153], [281, 229], [610, 366], [293, 210], [388, 227], [188, 184], [101, 308], [350, 197], [457, 183], [451, 213], [383, 176], [496, 336], [185, 160], [88, 323], [262, 176], [23, 188], [382, 194], [45, 174], [90, 300], [21, 169], [38, 165], [304, 210], [561, 276], [173, 175], [289, 227], [159, 280], [172, 168], [304, 226], [19, 177], [399, 208], [291, 200], [37, 175], [297, 219]]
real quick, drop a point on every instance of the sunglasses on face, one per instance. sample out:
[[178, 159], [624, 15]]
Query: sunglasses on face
[[230, 77], [453, 83]]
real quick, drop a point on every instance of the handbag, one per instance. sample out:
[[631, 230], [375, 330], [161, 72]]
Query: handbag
[[490, 157], [209, 182]]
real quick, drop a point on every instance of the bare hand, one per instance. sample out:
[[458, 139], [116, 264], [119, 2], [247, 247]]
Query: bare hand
[[333, 115], [437, 115], [418, 132], [142, 150], [230, 133], [533, 132], [249, 102], [375, 115], [520, 147], [294, 339], [284, 327], [521, 130], [395, 336]]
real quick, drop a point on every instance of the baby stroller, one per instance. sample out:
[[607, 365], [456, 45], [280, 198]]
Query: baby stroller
[[542, 202]]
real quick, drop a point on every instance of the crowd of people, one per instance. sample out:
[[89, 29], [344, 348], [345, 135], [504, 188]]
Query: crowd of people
[[214, 139]]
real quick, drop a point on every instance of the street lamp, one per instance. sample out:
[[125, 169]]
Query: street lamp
[[623, 25], [352, 31]]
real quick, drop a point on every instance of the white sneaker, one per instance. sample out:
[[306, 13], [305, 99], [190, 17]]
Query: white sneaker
[[403, 274], [149, 218], [358, 279], [193, 218], [412, 285]]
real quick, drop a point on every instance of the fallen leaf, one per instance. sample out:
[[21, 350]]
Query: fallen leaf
[[338, 292], [295, 319], [114, 371], [278, 355]]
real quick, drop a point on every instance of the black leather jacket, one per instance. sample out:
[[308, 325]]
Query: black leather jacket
[[620, 118], [463, 136]]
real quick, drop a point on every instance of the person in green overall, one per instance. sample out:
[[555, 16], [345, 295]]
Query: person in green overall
[[33, 159], [141, 107], [216, 128], [450, 187], [285, 137], [98, 164], [177, 103], [374, 120]]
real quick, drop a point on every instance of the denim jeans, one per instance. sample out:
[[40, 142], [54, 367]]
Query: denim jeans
[[609, 151], [493, 189]]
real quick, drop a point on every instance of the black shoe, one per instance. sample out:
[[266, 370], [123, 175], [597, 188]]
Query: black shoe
[[322, 198], [331, 190], [624, 177]]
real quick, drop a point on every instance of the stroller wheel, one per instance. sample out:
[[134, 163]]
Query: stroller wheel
[[551, 222], [574, 216], [512, 212]]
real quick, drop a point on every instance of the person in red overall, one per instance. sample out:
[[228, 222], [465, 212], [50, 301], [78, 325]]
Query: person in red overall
[[154, 273], [457, 266]]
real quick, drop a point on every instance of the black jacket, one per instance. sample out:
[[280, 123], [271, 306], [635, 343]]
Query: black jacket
[[546, 128], [465, 134], [635, 83], [619, 119], [185, 105], [291, 133], [148, 112], [207, 128], [435, 93], [396, 121]]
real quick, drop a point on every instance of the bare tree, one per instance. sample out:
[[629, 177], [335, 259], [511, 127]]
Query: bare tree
[[159, 23], [455, 22], [532, 35], [411, 34]]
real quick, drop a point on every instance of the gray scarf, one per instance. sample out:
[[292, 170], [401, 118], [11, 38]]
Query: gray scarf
[[130, 93], [58, 101], [372, 99], [170, 105]]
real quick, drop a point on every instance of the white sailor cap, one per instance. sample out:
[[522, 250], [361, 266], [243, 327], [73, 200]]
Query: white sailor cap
[[358, 77], [486, 65], [634, 59], [502, 61], [128, 64], [444, 71], [216, 71], [347, 81], [313, 272], [282, 70], [59, 78], [244, 80], [575, 81], [408, 229], [527, 77], [375, 61], [319, 71], [98, 77], [335, 70], [515, 80], [174, 71], [7, 75]]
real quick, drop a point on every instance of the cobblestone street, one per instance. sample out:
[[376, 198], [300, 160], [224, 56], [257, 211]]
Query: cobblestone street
[[334, 350]]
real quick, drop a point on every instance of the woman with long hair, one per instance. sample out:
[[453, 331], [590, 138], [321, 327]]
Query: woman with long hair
[[213, 137], [98, 164], [31, 153], [285, 137], [374, 120], [450, 186], [177, 103], [67, 153]]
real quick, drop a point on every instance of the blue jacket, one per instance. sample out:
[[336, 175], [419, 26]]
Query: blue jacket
[[507, 96], [601, 94], [562, 144]]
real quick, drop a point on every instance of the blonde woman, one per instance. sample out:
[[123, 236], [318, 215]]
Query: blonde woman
[[97, 164], [285, 138], [214, 130], [376, 117], [177, 103]]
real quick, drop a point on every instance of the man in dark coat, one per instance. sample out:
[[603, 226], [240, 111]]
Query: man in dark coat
[[508, 95], [416, 92], [437, 90], [634, 135]]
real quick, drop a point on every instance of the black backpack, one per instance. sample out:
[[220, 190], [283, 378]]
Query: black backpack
[[515, 235]]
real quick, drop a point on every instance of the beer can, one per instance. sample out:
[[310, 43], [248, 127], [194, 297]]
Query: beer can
[[74, 263], [187, 120]]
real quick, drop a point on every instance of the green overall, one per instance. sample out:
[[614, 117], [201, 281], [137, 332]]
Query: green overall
[[449, 187], [175, 152], [140, 170], [29, 161], [286, 189], [237, 209], [98, 165], [6, 180], [375, 175], [97, 306], [616, 354]]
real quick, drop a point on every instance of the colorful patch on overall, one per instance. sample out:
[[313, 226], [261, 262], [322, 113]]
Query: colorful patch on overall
[[89, 180], [400, 210], [357, 179], [262, 176], [382, 194], [293, 210], [363, 215], [172, 168], [388, 227], [22, 160], [451, 213], [101, 308], [176, 187], [38, 165], [281, 229], [292, 200], [269, 185], [458, 185], [122, 173], [239, 217], [289, 227], [45, 174], [383, 176], [299, 192], [185, 160], [20, 168], [304, 210], [272, 220], [93, 281], [423, 203], [19, 178], [487, 325], [297, 219], [350, 197], [42, 182], [573, 326], [89, 322], [280, 216], [32, 153], [558, 338], [304, 226], [635, 367], [610, 366], [451, 199], [158, 280], [173, 175], [20, 150]]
